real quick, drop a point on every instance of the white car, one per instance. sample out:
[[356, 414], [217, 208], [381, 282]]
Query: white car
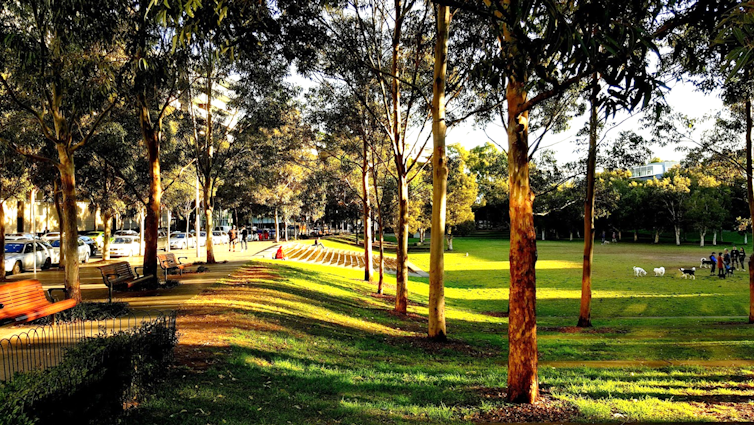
[[125, 246], [220, 238], [180, 240], [124, 232], [19, 256], [202, 237], [20, 236], [83, 250]]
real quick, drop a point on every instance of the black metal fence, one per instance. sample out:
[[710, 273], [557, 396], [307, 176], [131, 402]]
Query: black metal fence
[[45, 346]]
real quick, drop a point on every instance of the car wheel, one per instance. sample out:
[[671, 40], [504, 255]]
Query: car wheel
[[47, 264], [16, 268]]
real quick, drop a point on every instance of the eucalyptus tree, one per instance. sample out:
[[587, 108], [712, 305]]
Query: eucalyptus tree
[[545, 48], [461, 194], [383, 42], [60, 61]]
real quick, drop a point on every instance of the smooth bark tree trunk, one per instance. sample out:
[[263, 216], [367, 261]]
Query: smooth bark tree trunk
[[367, 214], [677, 235], [69, 242], [657, 236], [714, 238], [750, 198], [285, 230], [56, 198], [401, 291], [277, 226], [523, 386], [585, 310], [151, 138], [167, 239], [702, 233], [2, 241], [106, 236], [636, 236], [209, 226], [380, 289], [437, 326]]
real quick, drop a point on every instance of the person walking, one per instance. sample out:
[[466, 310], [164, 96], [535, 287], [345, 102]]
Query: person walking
[[244, 235], [742, 258]]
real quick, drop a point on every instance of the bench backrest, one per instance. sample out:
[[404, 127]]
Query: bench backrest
[[167, 260], [122, 269], [20, 295]]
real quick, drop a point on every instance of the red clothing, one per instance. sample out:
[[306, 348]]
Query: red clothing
[[720, 261], [280, 255]]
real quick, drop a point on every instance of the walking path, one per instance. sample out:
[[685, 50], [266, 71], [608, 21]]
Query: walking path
[[308, 253]]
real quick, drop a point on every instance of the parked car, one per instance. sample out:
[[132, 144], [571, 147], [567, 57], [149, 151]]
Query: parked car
[[51, 235], [124, 232], [97, 235], [125, 246], [20, 254], [92, 244], [180, 240], [202, 237], [20, 236], [219, 238], [83, 251], [225, 229]]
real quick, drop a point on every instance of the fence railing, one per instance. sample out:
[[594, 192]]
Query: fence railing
[[45, 346]]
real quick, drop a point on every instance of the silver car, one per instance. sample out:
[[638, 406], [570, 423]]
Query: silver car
[[20, 255]]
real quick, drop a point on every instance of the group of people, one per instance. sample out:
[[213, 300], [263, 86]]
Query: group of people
[[235, 237], [726, 261]]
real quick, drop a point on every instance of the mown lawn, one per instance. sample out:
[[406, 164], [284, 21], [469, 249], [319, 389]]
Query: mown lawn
[[315, 345]]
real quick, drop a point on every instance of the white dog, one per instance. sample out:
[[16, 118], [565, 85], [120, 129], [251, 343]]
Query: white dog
[[660, 271], [638, 271]]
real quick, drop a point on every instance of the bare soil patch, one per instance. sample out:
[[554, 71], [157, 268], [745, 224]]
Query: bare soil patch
[[576, 330], [547, 409]]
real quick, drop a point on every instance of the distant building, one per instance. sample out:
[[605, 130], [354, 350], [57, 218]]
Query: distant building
[[652, 170]]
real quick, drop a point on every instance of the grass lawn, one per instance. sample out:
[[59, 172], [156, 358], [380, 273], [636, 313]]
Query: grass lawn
[[301, 343]]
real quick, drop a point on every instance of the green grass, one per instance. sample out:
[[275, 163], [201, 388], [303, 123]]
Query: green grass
[[316, 347]]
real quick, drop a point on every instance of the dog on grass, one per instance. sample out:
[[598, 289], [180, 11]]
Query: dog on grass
[[688, 273], [660, 271], [706, 263], [638, 271]]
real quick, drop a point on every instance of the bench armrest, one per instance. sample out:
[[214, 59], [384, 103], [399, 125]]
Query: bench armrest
[[137, 272], [49, 293], [179, 259], [110, 275]]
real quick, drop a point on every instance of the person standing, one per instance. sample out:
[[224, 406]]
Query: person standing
[[720, 265], [734, 258], [714, 262], [233, 236], [244, 235]]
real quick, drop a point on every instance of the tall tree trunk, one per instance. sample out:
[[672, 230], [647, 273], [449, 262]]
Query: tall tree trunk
[[677, 234], [401, 290], [437, 327], [69, 243], [380, 289], [151, 138], [208, 218], [106, 236], [585, 311], [285, 229], [702, 233], [167, 239], [277, 226], [714, 237], [2, 241], [367, 214], [657, 236], [523, 386], [750, 198]]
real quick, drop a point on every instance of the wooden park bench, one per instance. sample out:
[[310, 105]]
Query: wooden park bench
[[25, 300], [120, 277], [170, 264]]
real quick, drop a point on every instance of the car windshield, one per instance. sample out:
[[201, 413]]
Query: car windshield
[[179, 236], [55, 243], [122, 240], [14, 248], [216, 233]]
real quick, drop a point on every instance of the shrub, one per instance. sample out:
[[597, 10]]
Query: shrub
[[465, 228], [88, 311], [95, 378]]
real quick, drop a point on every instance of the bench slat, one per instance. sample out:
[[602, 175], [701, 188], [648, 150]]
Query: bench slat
[[25, 300]]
